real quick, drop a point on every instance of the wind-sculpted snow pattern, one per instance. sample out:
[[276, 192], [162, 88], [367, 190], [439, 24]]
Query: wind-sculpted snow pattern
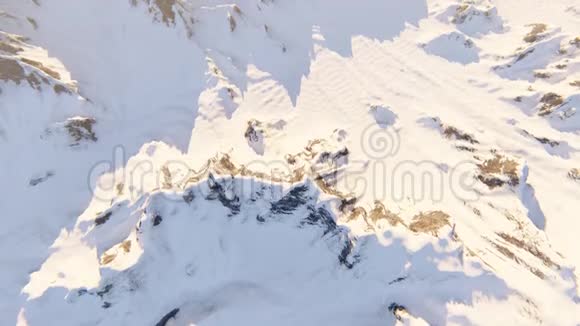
[[289, 162]]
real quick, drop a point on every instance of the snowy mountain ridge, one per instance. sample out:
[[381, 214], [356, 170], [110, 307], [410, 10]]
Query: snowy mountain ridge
[[178, 162]]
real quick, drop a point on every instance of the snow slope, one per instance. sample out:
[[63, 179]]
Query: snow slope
[[178, 162]]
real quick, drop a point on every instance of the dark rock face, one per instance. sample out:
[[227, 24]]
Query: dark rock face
[[397, 310], [550, 101], [35, 181], [188, 197], [452, 132], [163, 321], [103, 218], [499, 170], [157, 220], [81, 129], [295, 198], [322, 218], [346, 257], [105, 290], [255, 136], [218, 191], [491, 182]]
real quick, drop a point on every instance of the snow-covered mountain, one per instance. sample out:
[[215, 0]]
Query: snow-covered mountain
[[289, 162]]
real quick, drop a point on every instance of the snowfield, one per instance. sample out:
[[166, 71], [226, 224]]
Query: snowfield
[[289, 162]]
